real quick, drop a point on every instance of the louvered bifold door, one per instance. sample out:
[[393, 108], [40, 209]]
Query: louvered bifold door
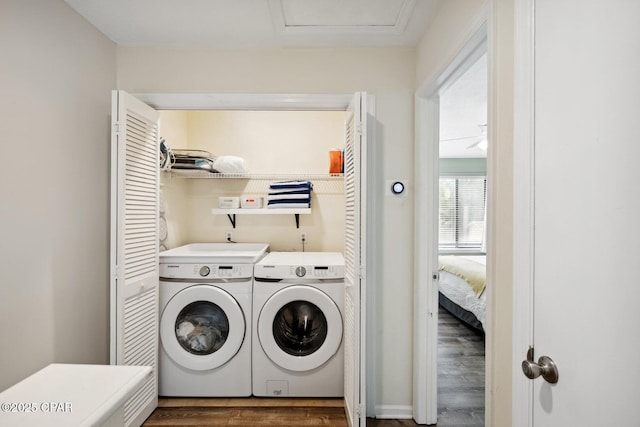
[[355, 256], [134, 246]]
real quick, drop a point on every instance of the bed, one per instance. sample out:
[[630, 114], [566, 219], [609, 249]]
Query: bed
[[462, 288]]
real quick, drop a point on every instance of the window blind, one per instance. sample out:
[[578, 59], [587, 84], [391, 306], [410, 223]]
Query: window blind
[[462, 207]]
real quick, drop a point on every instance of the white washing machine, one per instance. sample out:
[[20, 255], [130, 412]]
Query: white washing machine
[[297, 325], [205, 319]]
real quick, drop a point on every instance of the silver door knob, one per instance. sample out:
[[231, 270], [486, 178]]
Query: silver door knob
[[545, 367]]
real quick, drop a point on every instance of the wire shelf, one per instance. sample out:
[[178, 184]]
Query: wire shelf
[[198, 174]]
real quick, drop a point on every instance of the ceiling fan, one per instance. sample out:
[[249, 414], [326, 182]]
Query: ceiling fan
[[480, 140]]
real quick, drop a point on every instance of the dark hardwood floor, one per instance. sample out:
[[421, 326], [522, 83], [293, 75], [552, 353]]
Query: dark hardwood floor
[[248, 412], [461, 377], [460, 395]]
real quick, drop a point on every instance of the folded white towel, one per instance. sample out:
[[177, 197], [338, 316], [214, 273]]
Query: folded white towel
[[289, 206], [229, 164], [287, 196], [306, 191]]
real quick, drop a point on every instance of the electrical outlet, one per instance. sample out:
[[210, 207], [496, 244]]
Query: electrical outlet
[[228, 236], [303, 238]]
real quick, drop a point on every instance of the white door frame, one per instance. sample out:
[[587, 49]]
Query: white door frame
[[245, 101], [427, 120]]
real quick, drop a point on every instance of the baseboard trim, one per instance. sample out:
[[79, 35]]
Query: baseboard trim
[[394, 412]]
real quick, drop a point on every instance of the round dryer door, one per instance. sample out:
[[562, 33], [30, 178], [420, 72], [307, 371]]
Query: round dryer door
[[300, 328], [202, 327]]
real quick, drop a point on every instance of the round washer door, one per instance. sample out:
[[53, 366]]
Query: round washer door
[[300, 328], [202, 327]]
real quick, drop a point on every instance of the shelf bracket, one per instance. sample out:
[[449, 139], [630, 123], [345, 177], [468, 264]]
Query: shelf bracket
[[232, 219], [297, 220]]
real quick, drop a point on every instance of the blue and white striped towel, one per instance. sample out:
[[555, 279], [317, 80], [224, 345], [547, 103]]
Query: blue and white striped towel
[[299, 185]]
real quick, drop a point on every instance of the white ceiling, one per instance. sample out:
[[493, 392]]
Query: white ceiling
[[463, 113], [260, 23], [296, 23]]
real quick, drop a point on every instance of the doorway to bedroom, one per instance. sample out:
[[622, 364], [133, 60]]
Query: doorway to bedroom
[[451, 198], [462, 197]]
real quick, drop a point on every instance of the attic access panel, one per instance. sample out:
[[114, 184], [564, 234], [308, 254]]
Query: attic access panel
[[339, 16]]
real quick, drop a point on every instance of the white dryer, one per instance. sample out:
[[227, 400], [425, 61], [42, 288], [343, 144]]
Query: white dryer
[[297, 325], [205, 320]]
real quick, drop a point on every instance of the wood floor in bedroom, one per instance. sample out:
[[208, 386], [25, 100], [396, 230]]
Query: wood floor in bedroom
[[460, 395], [460, 377], [460, 373]]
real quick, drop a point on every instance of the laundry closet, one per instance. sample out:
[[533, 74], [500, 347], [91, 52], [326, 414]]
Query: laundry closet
[[178, 208], [273, 146], [227, 331]]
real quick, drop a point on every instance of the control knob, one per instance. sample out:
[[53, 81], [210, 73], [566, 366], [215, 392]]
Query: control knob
[[301, 271], [204, 271]]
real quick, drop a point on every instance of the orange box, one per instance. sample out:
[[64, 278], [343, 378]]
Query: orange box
[[335, 161]]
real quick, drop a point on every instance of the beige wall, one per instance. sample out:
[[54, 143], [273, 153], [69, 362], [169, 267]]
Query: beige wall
[[269, 142], [386, 73], [448, 31], [56, 76]]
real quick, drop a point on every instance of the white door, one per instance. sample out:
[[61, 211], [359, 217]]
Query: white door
[[134, 245], [355, 174], [583, 204]]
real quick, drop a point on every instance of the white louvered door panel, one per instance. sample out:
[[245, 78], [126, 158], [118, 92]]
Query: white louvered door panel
[[350, 248], [134, 245], [354, 254]]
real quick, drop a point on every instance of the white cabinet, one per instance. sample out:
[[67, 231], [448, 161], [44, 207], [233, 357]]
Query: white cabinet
[[73, 395]]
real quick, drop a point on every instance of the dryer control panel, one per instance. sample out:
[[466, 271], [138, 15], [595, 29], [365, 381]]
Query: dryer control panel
[[300, 265], [284, 272], [206, 271]]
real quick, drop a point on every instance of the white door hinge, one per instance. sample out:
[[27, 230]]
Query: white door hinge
[[360, 411], [359, 128], [116, 128]]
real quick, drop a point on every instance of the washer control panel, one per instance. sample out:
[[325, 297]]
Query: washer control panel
[[206, 271], [323, 271]]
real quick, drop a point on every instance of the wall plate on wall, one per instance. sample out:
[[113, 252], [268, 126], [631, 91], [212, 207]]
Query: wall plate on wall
[[396, 187]]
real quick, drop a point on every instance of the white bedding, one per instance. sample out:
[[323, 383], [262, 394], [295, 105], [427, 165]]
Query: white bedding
[[459, 291]]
